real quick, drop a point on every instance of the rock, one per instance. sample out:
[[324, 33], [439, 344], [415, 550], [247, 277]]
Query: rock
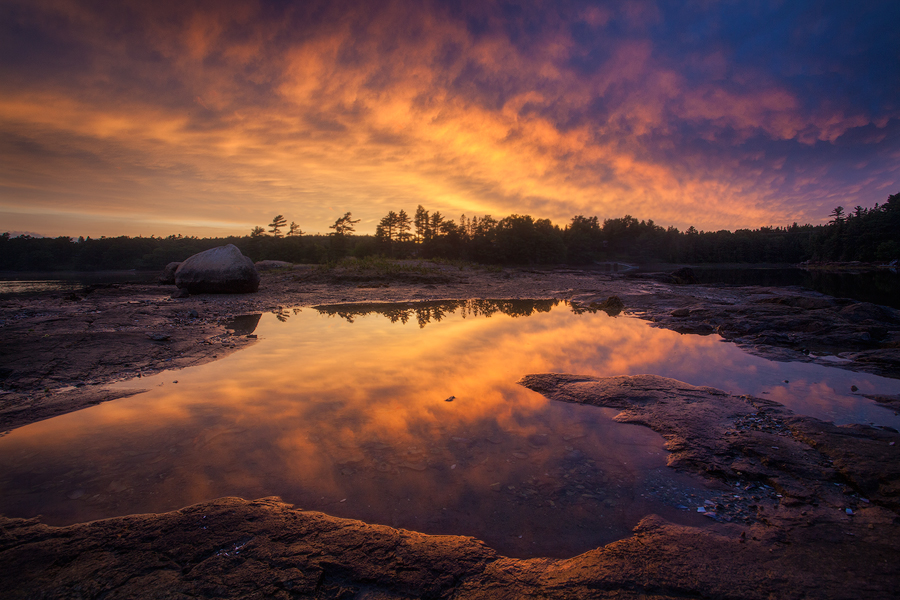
[[233, 548], [158, 337], [685, 275], [268, 265], [693, 418], [804, 302], [859, 312], [167, 277], [181, 293], [681, 312], [222, 270]]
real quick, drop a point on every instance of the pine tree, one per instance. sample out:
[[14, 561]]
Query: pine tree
[[278, 221], [403, 226], [437, 220], [421, 223]]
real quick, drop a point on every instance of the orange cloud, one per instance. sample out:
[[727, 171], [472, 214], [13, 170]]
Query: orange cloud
[[225, 110]]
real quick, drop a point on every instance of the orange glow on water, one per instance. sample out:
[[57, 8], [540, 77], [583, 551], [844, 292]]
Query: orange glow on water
[[345, 411]]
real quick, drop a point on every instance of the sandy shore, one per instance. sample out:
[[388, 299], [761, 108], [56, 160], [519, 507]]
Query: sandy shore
[[829, 529]]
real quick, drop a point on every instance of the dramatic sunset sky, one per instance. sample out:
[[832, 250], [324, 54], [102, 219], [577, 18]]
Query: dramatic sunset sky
[[207, 118]]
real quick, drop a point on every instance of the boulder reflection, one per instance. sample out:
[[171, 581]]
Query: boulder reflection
[[243, 324]]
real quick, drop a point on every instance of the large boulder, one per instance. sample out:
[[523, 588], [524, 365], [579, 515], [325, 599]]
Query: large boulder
[[222, 270]]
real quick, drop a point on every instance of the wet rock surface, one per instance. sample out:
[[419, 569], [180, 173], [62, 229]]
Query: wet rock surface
[[58, 355], [751, 444], [777, 323], [52, 342], [232, 548], [803, 508], [793, 524]]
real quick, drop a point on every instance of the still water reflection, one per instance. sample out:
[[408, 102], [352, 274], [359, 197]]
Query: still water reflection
[[406, 415]]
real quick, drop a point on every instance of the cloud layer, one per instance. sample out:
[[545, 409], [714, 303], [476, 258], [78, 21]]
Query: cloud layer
[[202, 117]]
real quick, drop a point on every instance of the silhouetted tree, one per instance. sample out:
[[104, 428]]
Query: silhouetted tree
[[837, 215], [404, 225], [278, 221], [422, 224], [343, 227], [582, 239]]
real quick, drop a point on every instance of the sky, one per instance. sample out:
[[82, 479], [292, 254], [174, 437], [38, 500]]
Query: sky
[[209, 118]]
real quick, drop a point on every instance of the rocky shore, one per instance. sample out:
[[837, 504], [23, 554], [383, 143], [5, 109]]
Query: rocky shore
[[814, 512]]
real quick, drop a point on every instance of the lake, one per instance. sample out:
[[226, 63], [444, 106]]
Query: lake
[[879, 286], [409, 415], [33, 282]]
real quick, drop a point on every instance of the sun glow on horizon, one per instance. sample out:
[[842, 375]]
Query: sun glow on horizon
[[241, 116]]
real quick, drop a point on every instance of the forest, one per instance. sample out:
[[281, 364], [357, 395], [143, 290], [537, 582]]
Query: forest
[[867, 235]]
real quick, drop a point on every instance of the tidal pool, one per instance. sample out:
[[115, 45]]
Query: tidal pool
[[409, 416]]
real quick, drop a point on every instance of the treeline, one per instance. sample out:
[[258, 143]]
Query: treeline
[[864, 235], [24, 253]]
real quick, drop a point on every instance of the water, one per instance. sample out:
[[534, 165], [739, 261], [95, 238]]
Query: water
[[66, 281], [408, 416], [879, 287]]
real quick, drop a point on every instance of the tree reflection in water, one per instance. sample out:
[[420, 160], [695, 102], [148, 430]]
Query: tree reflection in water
[[427, 312], [348, 415]]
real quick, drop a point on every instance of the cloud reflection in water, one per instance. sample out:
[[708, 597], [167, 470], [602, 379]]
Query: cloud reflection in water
[[346, 410]]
